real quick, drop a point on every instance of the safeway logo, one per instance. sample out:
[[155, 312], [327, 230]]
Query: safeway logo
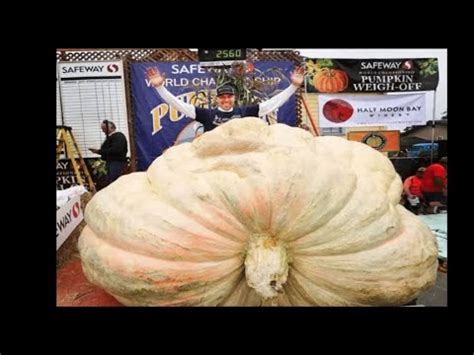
[[68, 217], [407, 65], [112, 68]]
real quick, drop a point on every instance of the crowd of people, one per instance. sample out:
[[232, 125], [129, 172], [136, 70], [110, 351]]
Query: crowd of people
[[426, 191]]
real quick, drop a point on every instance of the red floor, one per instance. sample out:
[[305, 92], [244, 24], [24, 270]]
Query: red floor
[[73, 289]]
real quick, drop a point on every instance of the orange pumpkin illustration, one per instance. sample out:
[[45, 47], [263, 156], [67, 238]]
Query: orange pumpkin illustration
[[330, 80]]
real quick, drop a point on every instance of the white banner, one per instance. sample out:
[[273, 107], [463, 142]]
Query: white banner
[[67, 219], [371, 110]]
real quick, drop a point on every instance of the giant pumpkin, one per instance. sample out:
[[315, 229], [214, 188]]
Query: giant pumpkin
[[330, 80], [250, 214]]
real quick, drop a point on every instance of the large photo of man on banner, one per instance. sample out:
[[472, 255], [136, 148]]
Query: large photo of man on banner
[[174, 101]]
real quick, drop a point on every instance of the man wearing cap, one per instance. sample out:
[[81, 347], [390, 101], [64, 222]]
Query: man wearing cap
[[225, 111]]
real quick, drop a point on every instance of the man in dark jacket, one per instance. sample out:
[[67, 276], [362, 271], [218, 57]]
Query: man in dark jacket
[[113, 151]]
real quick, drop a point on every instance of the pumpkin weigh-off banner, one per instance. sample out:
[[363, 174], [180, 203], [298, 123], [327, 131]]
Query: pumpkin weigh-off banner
[[371, 75], [159, 126], [345, 110]]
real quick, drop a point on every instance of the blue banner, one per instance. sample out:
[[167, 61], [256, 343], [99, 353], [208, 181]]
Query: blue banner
[[159, 126]]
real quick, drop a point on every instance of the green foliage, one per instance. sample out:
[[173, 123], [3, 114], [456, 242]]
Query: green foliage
[[428, 67], [99, 168]]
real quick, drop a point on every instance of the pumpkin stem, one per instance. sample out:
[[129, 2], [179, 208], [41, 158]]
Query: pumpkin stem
[[266, 265], [327, 71]]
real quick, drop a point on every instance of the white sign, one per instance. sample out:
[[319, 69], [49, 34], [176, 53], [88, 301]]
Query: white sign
[[90, 92], [67, 219], [371, 110], [90, 69]]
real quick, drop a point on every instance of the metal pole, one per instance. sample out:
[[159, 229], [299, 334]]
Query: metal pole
[[129, 107], [305, 82], [433, 127], [58, 78], [315, 128], [308, 113]]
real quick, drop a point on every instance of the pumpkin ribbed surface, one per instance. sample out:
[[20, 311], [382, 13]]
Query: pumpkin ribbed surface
[[250, 214]]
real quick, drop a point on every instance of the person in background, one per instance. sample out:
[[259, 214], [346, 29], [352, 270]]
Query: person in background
[[412, 191], [434, 183], [113, 151]]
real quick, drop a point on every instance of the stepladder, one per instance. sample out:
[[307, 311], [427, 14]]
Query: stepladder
[[66, 147]]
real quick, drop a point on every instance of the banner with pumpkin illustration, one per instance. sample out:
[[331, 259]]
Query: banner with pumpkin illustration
[[371, 75], [346, 110]]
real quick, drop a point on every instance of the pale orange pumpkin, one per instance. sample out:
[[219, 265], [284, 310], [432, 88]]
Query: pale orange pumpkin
[[250, 214], [330, 80]]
